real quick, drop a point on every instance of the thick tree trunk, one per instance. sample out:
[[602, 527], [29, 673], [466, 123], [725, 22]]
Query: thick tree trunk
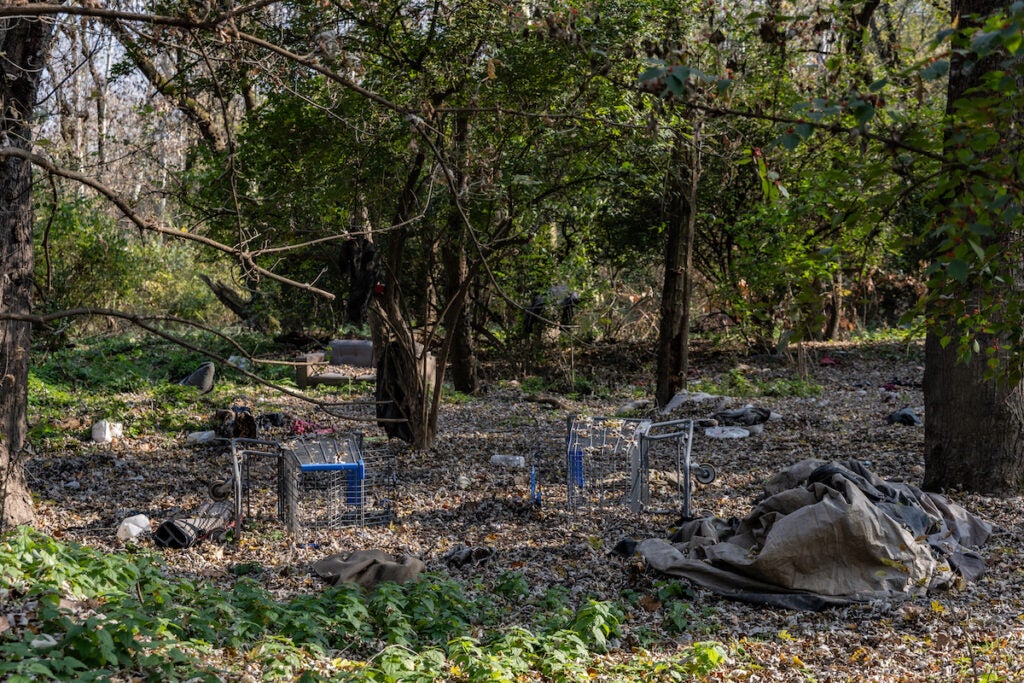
[[974, 426], [974, 429], [674, 329], [24, 44]]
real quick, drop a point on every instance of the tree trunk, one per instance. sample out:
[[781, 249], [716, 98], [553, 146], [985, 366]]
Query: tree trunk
[[359, 264], [462, 359], [974, 429], [462, 356], [674, 329], [404, 389], [974, 426], [24, 44]]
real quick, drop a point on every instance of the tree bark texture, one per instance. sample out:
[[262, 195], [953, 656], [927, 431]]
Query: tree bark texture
[[24, 44], [974, 429], [674, 328], [974, 426], [462, 358]]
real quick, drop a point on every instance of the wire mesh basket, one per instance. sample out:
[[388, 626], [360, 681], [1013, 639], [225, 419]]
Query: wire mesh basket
[[331, 483], [604, 463], [610, 461]]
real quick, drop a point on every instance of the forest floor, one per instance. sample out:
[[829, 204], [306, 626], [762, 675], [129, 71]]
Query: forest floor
[[453, 495]]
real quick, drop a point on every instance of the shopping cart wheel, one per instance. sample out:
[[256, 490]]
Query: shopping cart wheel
[[705, 474]]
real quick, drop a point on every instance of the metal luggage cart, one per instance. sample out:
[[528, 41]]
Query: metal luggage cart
[[678, 435], [246, 454], [609, 461]]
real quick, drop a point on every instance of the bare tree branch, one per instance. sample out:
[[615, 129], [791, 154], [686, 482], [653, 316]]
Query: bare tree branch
[[145, 224]]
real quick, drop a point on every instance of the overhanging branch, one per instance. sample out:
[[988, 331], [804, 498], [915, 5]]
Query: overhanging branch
[[244, 256]]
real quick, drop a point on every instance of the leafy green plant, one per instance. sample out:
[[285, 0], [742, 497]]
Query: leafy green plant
[[163, 628], [737, 383], [678, 617], [512, 586], [703, 658], [596, 622]]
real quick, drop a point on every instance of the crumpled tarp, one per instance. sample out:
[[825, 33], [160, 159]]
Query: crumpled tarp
[[824, 535], [367, 568]]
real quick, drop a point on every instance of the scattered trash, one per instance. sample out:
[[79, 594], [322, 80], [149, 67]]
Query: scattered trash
[[240, 362], [463, 482], [508, 460], [461, 555], [828, 361], [904, 416], [133, 527], [105, 431], [300, 427], [726, 432], [236, 423], [355, 352], [223, 489], [743, 417], [625, 548], [201, 437], [632, 407], [43, 640], [210, 520], [269, 420], [684, 396], [201, 379], [535, 495], [73, 484], [367, 568]]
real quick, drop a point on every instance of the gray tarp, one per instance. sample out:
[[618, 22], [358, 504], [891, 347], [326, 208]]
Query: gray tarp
[[827, 535]]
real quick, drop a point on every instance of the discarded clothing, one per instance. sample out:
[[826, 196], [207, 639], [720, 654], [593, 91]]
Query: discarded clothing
[[827, 534], [367, 568], [460, 555]]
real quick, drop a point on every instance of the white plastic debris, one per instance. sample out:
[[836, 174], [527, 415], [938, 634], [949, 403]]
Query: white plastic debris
[[43, 640], [726, 432], [133, 527], [201, 437], [686, 396], [106, 431], [240, 362], [508, 460]]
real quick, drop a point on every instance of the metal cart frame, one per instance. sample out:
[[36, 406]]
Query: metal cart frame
[[614, 439]]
